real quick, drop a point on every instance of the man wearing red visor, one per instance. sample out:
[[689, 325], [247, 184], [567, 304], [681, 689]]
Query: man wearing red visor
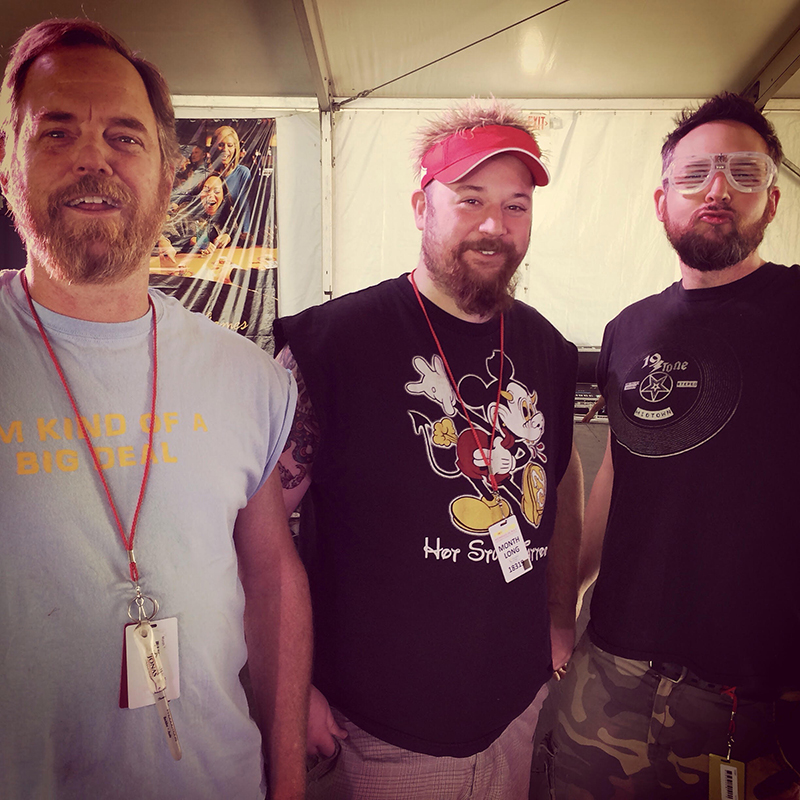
[[433, 435]]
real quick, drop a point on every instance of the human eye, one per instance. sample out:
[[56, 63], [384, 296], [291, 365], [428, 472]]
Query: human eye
[[52, 134], [748, 171], [688, 173], [126, 141], [50, 127]]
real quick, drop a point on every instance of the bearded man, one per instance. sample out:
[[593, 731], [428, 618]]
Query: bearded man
[[691, 655], [113, 401], [433, 434]]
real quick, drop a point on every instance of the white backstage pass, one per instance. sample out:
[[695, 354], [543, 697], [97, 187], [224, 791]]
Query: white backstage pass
[[509, 544], [140, 689]]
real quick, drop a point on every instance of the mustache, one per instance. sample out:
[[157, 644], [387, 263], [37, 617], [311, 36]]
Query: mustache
[[498, 245], [90, 185]]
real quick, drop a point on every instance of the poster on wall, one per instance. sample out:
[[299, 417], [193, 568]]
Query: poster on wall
[[218, 252]]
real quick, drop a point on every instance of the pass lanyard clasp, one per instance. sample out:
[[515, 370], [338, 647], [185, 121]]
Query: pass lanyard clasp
[[139, 613]]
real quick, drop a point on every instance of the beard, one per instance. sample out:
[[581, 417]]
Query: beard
[[712, 251], [98, 252], [472, 292]]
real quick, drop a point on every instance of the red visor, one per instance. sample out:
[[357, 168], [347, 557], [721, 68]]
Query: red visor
[[451, 159]]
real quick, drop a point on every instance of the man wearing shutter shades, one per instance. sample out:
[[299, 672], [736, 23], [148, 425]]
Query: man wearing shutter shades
[[433, 433], [692, 653]]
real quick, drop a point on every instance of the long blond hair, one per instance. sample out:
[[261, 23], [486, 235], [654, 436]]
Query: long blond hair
[[219, 134]]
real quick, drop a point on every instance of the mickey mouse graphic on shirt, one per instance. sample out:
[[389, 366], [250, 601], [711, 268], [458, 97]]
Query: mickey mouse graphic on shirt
[[455, 452]]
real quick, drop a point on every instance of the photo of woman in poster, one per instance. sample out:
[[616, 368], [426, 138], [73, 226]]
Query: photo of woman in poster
[[203, 233], [218, 250], [226, 155]]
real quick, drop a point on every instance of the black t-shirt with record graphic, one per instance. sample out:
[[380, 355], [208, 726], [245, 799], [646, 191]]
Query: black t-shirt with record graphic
[[701, 559]]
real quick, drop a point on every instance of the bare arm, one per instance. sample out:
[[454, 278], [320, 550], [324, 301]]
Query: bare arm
[[298, 454], [594, 530], [597, 406], [277, 626], [562, 562], [294, 466]]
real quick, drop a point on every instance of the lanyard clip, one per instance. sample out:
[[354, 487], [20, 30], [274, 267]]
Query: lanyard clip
[[139, 602]]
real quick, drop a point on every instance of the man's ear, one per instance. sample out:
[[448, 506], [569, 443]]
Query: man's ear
[[419, 202], [772, 201], [660, 197]]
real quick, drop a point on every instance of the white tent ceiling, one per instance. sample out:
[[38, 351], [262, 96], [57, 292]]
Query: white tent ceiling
[[605, 76], [620, 49]]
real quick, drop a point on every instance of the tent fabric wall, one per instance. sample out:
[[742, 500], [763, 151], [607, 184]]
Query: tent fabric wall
[[782, 242], [596, 244], [374, 236], [299, 201]]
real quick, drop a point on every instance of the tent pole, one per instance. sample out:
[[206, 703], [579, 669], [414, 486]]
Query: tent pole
[[326, 157], [308, 23], [780, 67]]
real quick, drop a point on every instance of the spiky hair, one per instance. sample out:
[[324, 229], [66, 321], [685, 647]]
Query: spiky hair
[[472, 114], [724, 107]]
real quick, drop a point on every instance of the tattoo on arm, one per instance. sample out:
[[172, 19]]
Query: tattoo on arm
[[303, 439]]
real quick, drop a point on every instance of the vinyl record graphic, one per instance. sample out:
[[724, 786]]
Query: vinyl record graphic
[[670, 396]]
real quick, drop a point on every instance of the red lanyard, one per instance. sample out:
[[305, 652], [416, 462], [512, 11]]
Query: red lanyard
[[127, 541], [730, 692], [486, 459]]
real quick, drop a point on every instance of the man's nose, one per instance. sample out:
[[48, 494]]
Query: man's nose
[[493, 223], [92, 158], [719, 189]]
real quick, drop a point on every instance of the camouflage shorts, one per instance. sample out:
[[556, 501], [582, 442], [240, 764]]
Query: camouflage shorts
[[621, 731]]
